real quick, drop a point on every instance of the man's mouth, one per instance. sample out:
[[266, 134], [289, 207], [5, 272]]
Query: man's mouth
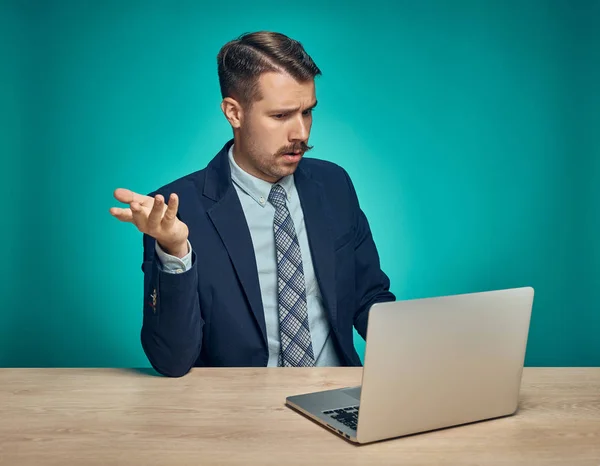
[[293, 156]]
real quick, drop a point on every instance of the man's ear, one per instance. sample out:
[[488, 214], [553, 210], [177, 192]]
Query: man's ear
[[233, 111]]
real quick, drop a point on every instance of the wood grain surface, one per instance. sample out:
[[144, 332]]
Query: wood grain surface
[[237, 416]]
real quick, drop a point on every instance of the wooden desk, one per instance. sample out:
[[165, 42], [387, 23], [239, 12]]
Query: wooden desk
[[237, 416]]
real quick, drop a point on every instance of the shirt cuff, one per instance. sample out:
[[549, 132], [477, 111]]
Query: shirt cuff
[[172, 264]]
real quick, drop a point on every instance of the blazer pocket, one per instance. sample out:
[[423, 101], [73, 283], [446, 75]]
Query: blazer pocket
[[343, 240]]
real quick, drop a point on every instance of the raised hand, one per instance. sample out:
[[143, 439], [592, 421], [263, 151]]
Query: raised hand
[[155, 218]]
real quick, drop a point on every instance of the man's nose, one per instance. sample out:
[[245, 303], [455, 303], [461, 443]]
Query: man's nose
[[300, 130]]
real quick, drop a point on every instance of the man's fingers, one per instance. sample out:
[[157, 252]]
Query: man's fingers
[[127, 196], [124, 195], [137, 213], [122, 214], [156, 213], [171, 212]]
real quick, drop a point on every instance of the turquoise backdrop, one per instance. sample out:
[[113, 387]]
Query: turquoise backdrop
[[470, 129]]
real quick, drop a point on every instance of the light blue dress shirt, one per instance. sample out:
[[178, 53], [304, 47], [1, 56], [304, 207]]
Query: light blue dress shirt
[[259, 212]]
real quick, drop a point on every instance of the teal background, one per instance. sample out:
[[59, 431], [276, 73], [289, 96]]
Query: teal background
[[470, 129]]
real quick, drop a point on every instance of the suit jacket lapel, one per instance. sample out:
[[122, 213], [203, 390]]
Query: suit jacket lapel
[[320, 238], [228, 218]]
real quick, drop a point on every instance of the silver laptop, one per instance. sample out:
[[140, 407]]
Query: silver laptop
[[430, 364]]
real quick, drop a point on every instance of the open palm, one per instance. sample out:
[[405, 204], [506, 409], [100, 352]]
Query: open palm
[[155, 218]]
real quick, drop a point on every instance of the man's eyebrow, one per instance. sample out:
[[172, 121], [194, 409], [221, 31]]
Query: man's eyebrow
[[293, 109]]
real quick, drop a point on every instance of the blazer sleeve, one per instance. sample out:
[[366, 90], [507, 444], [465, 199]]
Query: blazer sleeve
[[172, 324], [372, 284]]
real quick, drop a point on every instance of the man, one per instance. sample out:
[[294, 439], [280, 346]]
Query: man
[[263, 258]]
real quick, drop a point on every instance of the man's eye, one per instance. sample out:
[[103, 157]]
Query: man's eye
[[279, 116], [307, 112]]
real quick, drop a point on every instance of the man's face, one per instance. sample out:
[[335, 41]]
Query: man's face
[[274, 131]]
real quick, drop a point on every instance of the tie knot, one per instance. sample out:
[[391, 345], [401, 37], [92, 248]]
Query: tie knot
[[277, 196]]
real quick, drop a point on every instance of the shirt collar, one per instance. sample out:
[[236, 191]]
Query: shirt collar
[[256, 188]]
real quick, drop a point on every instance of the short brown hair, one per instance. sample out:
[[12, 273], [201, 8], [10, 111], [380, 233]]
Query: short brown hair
[[241, 62]]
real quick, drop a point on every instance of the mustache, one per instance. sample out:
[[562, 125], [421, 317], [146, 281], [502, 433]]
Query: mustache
[[300, 147]]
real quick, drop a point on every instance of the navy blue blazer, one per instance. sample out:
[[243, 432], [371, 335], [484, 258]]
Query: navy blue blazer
[[212, 314]]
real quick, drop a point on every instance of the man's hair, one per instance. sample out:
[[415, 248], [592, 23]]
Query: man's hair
[[242, 61]]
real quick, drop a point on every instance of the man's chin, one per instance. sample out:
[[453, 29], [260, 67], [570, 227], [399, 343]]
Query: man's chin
[[282, 172]]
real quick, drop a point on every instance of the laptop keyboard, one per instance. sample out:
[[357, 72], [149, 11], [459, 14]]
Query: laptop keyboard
[[347, 416]]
